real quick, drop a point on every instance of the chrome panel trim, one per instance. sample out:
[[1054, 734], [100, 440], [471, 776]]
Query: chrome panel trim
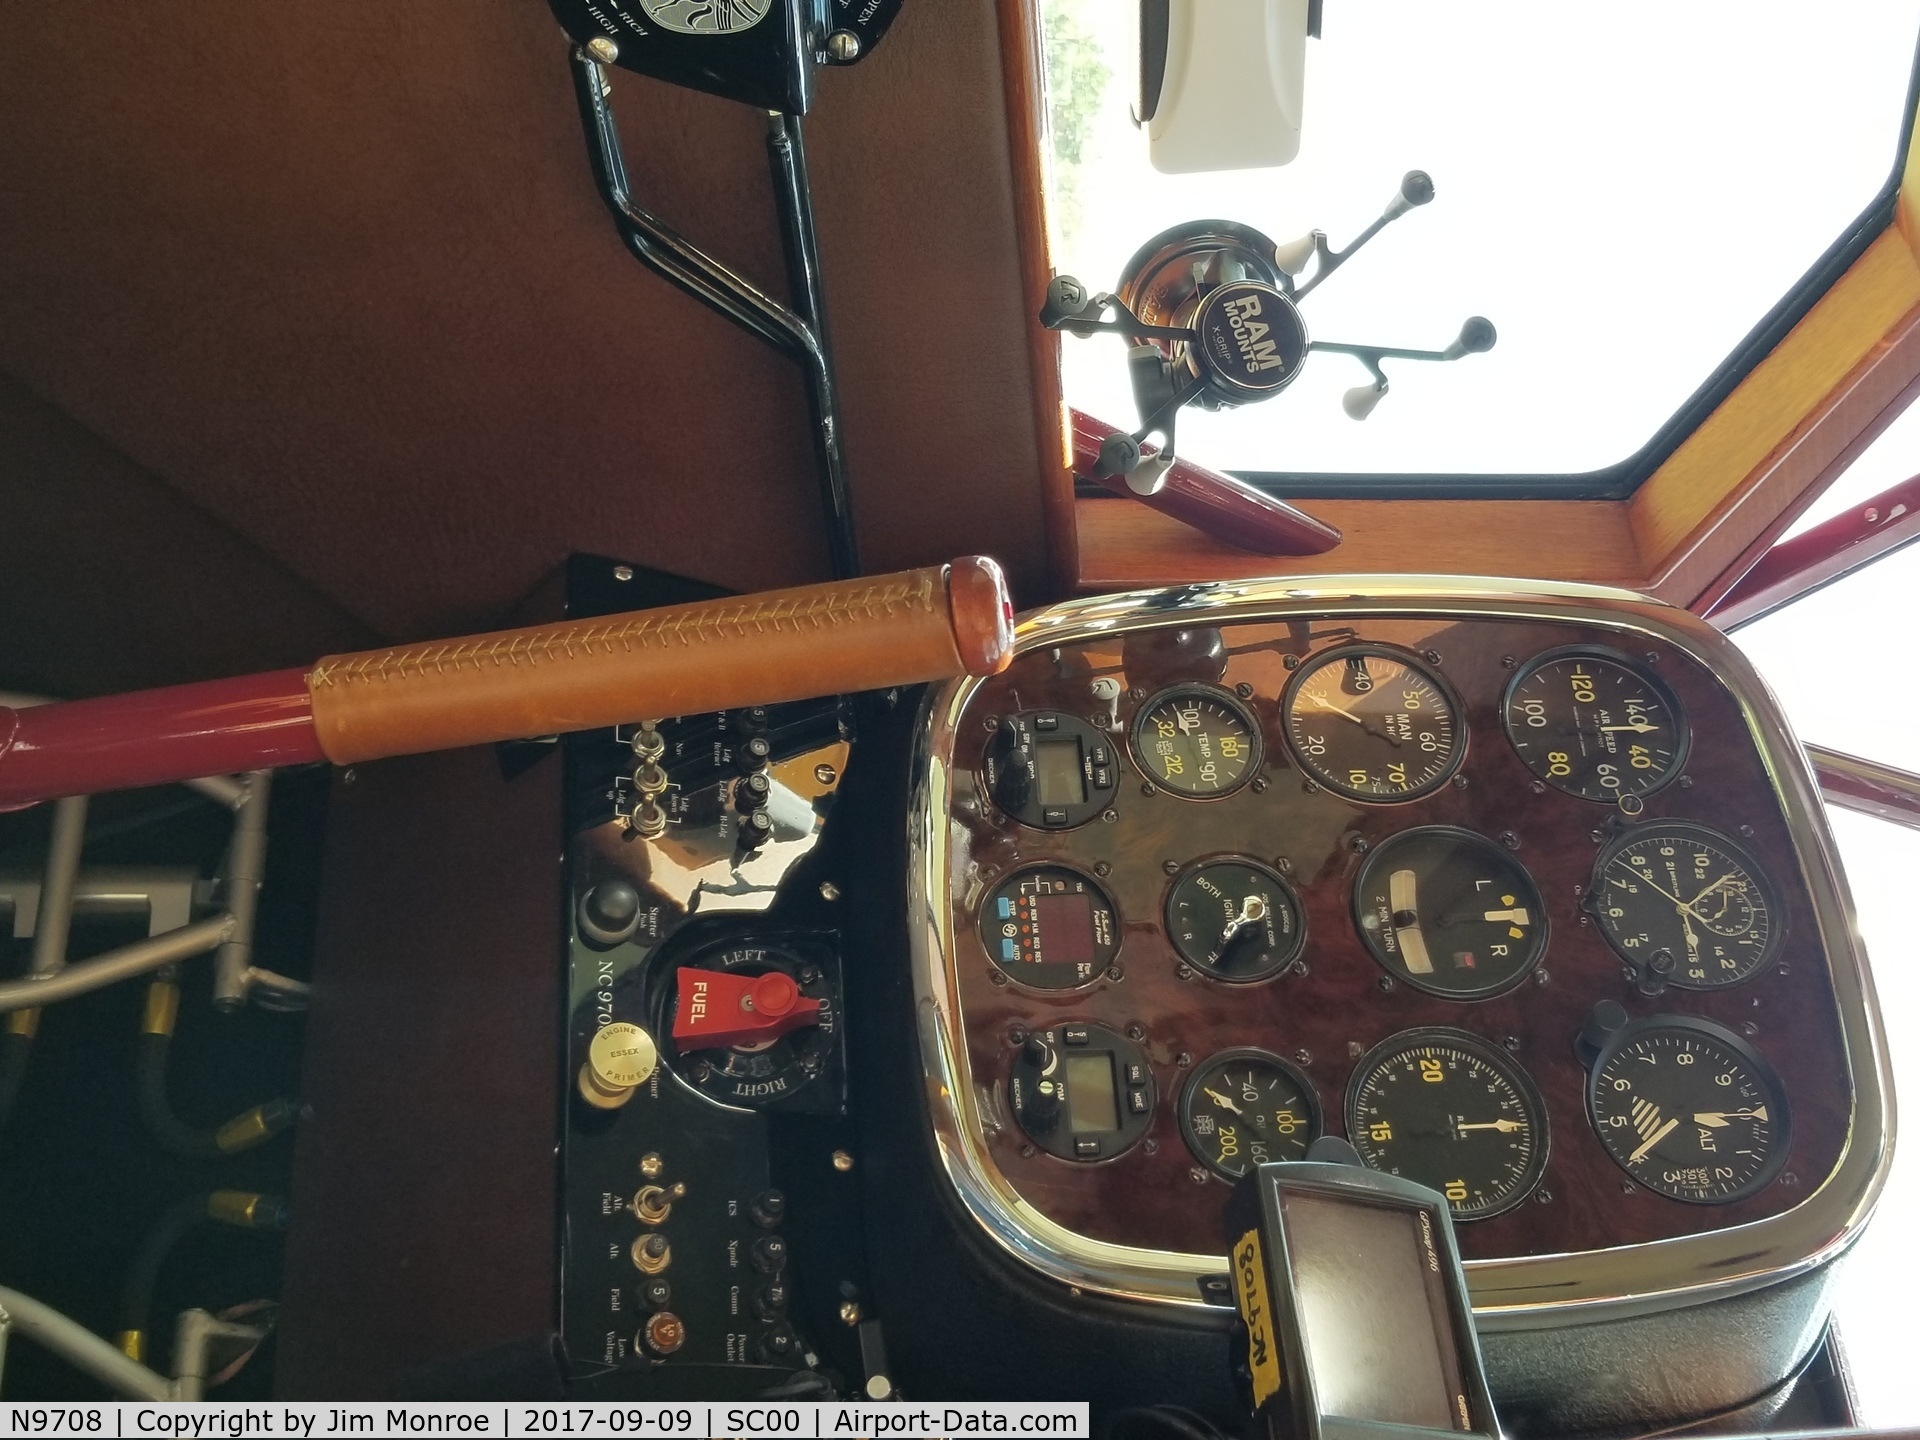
[[1510, 1294]]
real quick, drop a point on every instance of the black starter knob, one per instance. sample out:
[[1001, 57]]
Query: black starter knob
[[609, 913], [768, 1209], [769, 1254]]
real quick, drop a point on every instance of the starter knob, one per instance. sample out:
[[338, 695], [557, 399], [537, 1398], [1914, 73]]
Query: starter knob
[[620, 1059], [609, 912]]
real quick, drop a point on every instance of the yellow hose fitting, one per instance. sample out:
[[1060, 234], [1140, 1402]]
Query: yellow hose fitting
[[163, 1008], [133, 1344], [240, 1208], [24, 1022]]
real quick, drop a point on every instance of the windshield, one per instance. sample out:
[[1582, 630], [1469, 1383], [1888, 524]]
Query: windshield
[[1624, 196]]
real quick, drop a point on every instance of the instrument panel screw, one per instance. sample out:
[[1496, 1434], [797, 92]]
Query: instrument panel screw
[[1359, 844], [1626, 1187], [1783, 972], [1746, 832], [1385, 984], [1259, 785], [1102, 869], [1543, 1197], [1307, 787], [1292, 662], [1432, 657], [1017, 1034], [1303, 1056], [1747, 1027], [992, 722], [1150, 1145], [1172, 867], [1512, 1042], [842, 1161], [1539, 787], [1183, 972], [702, 1072], [652, 1166], [349, 775], [1243, 690], [843, 46], [1540, 977], [1686, 782], [1136, 1032], [1355, 1049], [1184, 1060], [1653, 657], [1138, 692], [1109, 816], [1509, 839], [825, 774], [622, 572], [1789, 1179], [606, 52], [1115, 973], [1459, 782], [1283, 864], [829, 891], [1507, 662], [1197, 1174], [850, 1312], [1599, 837], [1027, 1152], [1147, 789], [996, 977], [1299, 970]]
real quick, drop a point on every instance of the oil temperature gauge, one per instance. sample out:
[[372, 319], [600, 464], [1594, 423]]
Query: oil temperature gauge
[[1245, 1108], [1197, 742]]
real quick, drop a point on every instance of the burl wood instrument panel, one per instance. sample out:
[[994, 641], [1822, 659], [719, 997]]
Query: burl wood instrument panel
[[1154, 1196]]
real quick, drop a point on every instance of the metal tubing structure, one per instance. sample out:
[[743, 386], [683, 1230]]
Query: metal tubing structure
[[140, 958], [246, 872], [82, 1349], [1828, 552], [800, 336], [1867, 786], [53, 920]]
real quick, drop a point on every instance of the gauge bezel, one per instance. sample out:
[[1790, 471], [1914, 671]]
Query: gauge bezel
[[1539, 939], [1631, 838], [1316, 1116], [1763, 1071], [1280, 882], [1684, 726], [1312, 664], [991, 941], [1251, 720], [1524, 1085]]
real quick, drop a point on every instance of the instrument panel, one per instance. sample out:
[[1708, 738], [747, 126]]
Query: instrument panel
[[1514, 891]]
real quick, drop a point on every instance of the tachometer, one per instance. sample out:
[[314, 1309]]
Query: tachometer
[[1689, 1109], [1687, 904], [1196, 741], [1595, 725], [1371, 724], [1449, 912], [1244, 1108], [1448, 1110]]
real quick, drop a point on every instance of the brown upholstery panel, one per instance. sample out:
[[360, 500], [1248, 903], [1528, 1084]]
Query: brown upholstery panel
[[423, 1177], [338, 273], [112, 580]]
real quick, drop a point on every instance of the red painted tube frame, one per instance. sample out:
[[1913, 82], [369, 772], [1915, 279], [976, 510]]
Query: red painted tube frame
[[119, 742], [1229, 510]]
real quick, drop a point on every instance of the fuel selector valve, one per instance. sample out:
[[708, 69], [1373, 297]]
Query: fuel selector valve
[[717, 1009]]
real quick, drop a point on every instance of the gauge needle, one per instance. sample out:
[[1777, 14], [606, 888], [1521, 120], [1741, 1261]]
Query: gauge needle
[[1505, 1127], [1652, 1140], [1717, 1119], [1638, 727], [1222, 1101], [1326, 704]]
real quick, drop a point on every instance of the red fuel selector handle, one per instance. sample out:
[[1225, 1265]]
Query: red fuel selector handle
[[715, 1009]]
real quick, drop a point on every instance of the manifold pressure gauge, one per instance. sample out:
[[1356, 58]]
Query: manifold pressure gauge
[[1689, 1109], [1372, 724]]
